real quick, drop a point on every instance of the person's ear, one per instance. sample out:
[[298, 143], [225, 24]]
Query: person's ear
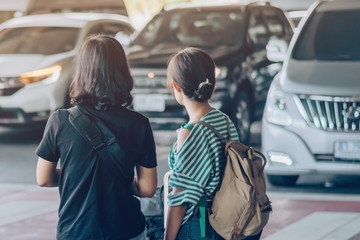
[[175, 86]]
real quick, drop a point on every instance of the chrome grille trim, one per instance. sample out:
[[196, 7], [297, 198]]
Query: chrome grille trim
[[330, 113], [330, 158]]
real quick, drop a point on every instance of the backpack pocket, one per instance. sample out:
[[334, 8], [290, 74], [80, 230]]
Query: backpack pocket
[[261, 217], [231, 206]]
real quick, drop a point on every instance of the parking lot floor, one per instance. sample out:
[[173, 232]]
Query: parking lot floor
[[28, 212]]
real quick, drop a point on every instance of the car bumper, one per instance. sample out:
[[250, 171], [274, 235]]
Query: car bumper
[[31, 104], [304, 150], [172, 115]]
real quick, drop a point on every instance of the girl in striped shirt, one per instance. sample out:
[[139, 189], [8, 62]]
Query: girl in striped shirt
[[197, 157]]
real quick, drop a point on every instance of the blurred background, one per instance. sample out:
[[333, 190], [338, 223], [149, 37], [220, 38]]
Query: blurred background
[[140, 11], [30, 65]]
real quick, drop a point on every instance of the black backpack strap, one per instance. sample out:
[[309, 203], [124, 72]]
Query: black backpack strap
[[86, 128], [98, 136]]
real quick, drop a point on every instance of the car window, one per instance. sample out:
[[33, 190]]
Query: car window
[[331, 36], [189, 28], [120, 31], [257, 32], [37, 40], [266, 23], [275, 22], [110, 29]]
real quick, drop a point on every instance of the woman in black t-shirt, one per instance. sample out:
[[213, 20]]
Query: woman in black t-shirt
[[97, 202]]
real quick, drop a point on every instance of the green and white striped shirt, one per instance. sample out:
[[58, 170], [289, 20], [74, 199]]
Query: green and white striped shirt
[[197, 165]]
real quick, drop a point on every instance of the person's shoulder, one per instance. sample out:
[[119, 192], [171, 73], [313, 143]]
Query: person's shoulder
[[214, 116], [136, 116], [57, 119], [59, 115], [182, 135], [219, 113]]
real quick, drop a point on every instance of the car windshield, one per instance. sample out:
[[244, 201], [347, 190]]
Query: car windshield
[[192, 28], [330, 36], [37, 40]]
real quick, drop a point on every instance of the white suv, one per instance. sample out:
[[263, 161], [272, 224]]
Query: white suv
[[37, 56], [311, 122]]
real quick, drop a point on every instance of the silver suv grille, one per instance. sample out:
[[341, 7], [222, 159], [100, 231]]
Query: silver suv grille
[[330, 113]]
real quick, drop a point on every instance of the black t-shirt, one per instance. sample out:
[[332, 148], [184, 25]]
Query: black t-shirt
[[94, 203]]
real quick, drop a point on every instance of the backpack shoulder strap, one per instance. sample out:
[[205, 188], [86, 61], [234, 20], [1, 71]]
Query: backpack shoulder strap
[[86, 128], [98, 136], [202, 202], [216, 132]]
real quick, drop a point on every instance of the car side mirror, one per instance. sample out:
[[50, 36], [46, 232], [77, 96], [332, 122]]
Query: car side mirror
[[276, 50]]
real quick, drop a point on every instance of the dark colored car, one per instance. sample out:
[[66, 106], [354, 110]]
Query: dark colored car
[[235, 35]]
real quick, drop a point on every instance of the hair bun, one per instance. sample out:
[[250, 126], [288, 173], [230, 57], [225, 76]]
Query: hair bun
[[204, 91]]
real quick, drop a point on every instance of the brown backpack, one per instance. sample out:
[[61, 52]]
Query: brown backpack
[[240, 206]]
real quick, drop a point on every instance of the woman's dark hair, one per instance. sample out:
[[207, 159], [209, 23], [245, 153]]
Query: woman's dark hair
[[102, 79], [193, 70]]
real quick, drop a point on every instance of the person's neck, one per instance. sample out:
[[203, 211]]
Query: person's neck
[[197, 110]]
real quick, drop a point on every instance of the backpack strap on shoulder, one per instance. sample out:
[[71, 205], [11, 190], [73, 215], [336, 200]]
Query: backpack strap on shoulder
[[202, 203], [216, 132], [86, 128], [97, 135]]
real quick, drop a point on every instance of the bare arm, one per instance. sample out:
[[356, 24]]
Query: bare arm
[[181, 137], [174, 219], [144, 185], [176, 214], [46, 173]]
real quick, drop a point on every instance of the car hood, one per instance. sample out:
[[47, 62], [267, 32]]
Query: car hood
[[139, 57], [158, 57], [12, 65], [338, 78]]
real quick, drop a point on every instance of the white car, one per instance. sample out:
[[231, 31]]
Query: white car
[[37, 58], [311, 122]]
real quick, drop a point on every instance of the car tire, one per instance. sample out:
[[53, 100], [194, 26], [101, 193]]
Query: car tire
[[242, 117], [280, 180]]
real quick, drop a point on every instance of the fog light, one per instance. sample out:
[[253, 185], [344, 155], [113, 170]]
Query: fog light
[[280, 158]]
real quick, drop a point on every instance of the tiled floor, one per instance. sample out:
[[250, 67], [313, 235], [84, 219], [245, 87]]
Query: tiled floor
[[30, 213]]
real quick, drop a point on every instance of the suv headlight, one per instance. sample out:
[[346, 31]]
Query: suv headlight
[[51, 74], [275, 109]]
